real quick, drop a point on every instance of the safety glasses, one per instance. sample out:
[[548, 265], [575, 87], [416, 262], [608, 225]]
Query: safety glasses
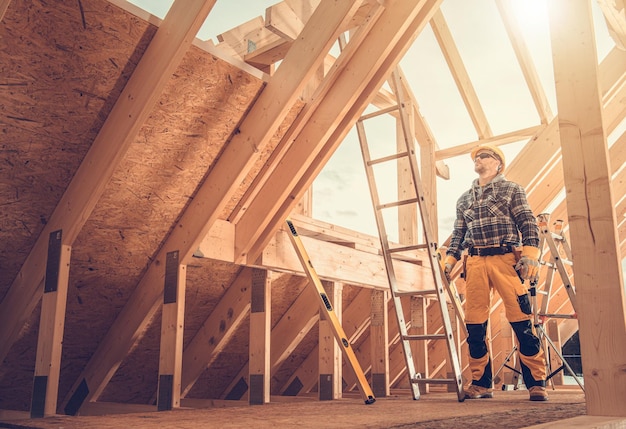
[[484, 155]]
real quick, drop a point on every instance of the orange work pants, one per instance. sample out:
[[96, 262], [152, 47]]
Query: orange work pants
[[483, 274]]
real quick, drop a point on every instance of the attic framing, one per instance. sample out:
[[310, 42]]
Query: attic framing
[[260, 143]]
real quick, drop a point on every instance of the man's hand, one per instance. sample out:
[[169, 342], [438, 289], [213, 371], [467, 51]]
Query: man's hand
[[528, 265], [448, 264]]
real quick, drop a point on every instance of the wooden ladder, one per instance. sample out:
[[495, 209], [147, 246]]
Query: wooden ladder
[[407, 151]]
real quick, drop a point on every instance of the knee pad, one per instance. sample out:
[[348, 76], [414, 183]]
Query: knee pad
[[528, 342], [477, 334]]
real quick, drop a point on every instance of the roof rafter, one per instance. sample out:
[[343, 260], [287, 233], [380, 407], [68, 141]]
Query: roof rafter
[[351, 93], [460, 75]]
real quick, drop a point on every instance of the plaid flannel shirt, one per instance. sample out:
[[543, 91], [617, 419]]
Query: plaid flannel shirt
[[493, 215]]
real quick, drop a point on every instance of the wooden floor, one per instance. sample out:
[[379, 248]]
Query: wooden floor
[[508, 409]]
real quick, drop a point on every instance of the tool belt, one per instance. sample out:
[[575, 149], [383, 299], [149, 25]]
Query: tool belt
[[490, 251]]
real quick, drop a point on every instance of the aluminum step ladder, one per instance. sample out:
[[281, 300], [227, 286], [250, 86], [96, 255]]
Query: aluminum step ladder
[[560, 255], [407, 151]]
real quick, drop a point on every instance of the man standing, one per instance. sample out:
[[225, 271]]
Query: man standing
[[490, 218]]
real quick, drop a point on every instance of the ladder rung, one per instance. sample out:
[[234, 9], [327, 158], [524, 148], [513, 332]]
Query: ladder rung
[[560, 316], [434, 380], [387, 158], [378, 113], [425, 337], [416, 292], [397, 203], [408, 248]]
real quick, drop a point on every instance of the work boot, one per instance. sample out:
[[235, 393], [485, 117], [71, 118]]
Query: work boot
[[538, 393], [477, 392]]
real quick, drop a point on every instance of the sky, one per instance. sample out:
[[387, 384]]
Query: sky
[[340, 193]]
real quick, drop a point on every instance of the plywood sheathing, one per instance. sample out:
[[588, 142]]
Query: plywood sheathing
[[57, 84], [62, 62]]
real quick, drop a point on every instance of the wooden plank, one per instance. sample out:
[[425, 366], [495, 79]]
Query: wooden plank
[[459, 74], [529, 133], [513, 30], [217, 329], [213, 195], [552, 331], [612, 73], [339, 263], [354, 324], [292, 327], [418, 318], [599, 280], [51, 328], [325, 128], [379, 341], [327, 244], [260, 335], [283, 20], [615, 17], [172, 329], [133, 107]]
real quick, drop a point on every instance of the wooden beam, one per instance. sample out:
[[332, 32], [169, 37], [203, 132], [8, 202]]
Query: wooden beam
[[529, 133], [354, 323], [513, 30], [283, 20], [162, 57], [460, 75], [419, 321], [172, 329], [391, 35], [379, 343], [340, 263], [599, 279], [213, 195], [615, 17], [260, 335], [302, 119], [51, 328], [292, 327], [217, 329]]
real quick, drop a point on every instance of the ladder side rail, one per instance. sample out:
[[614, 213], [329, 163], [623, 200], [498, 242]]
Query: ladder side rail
[[558, 262], [382, 232], [424, 216], [547, 287], [428, 233]]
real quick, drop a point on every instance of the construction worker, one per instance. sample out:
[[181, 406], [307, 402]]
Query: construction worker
[[490, 219]]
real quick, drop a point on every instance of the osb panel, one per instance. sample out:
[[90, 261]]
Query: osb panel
[[136, 379], [199, 109], [61, 70]]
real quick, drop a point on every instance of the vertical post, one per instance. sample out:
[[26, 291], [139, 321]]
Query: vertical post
[[552, 331], [380, 343], [330, 374], [601, 301], [260, 329], [172, 327], [418, 313], [51, 327]]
